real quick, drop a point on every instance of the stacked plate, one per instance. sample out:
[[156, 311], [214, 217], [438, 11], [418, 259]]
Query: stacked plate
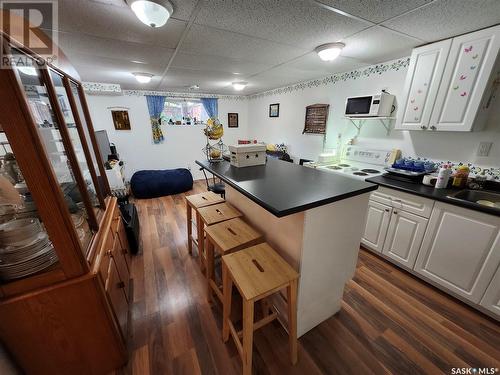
[[25, 249]]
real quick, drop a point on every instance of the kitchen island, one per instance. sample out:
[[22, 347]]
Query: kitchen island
[[314, 220]]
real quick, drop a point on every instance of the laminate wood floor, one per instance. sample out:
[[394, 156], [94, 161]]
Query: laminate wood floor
[[390, 321]]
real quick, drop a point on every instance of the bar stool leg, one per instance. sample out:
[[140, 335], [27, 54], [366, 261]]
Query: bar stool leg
[[210, 265], [227, 290], [292, 320], [248, 309], [201, 240], [189, 228]]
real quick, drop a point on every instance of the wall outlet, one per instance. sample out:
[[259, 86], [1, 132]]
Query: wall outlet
[[484, 148]]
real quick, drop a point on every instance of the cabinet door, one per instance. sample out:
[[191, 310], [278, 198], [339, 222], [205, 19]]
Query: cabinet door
[[121, 265], [404, 237], [491, 299], [465, 80], [426, 68], [377, 222], [114, 289], [460, 250], [122, 238]]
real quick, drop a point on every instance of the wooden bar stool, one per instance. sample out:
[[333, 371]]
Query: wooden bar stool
[[226, 237], [194, 202], [257, 272], [211, 215]]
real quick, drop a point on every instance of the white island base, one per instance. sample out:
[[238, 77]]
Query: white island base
[[321, 243]]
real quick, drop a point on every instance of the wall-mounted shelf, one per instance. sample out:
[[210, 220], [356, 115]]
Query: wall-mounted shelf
[[359, 121]]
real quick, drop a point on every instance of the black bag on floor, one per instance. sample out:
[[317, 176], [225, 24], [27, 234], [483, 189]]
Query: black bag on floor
[[130, 220]]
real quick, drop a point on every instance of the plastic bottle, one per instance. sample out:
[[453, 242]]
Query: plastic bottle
[[443, 177], [460, 177]]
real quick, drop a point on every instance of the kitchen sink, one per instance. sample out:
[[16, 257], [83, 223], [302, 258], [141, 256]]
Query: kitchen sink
[[478, 197]]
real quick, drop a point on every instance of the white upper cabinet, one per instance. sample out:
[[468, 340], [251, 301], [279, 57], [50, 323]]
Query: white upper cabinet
[[466, 80], [448, 83], [460, 250], [426, 68]]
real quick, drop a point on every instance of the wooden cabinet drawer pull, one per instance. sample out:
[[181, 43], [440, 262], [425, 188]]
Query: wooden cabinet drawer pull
[[121, 285]]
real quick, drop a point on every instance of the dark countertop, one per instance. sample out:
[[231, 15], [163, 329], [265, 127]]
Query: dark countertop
[[430, 192], [285, 188]]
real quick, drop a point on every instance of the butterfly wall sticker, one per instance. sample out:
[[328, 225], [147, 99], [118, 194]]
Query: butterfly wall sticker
[[463, 94], [475, 56], [467, 50], [462, 77], [455, 88], [472, 67], [412, 101]]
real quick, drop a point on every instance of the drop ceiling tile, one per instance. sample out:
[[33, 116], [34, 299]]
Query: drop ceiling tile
[[294, 22], [115, 23], [312, 62], [183, 8], [184, 78], [204, 40], [217, 64], [148, 57], [447, 18], [378, 44], [375, 10], [114, 75]]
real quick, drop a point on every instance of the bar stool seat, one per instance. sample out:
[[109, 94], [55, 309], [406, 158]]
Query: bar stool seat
[[211, 215], [194, 202], [224, 238], [257, 272]]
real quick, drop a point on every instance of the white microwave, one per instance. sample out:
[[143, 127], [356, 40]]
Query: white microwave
[[380, 105]]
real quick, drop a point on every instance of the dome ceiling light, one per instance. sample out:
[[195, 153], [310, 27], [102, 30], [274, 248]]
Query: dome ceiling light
[[329, 51], [143, 77], [238, 86], [154, 13]]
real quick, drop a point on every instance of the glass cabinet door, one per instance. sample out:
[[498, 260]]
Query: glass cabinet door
[[25, 246], [87, 128], [49, 131]]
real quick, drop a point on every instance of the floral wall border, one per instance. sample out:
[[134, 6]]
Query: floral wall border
[[378, 69]]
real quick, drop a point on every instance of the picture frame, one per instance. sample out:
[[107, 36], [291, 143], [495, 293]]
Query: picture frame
[[121, 121], [232, 120], [274, 110]]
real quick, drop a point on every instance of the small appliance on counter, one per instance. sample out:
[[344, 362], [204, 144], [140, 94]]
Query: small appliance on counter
[[248, 155]]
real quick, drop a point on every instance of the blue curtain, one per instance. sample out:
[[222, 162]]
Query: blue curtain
[[155, 107], [211, 106]]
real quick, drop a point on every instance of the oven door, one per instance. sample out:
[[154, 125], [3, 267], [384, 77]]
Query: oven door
[[358, 106]]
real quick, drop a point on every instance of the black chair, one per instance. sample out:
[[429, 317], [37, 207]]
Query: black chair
[[216, 187]]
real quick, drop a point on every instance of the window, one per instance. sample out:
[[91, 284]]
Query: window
[[184, 112]]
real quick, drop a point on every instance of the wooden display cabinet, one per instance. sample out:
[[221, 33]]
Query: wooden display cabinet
[[64, 257]]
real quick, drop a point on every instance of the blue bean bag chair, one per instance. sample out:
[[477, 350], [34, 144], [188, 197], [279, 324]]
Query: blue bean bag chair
[[153, 184]]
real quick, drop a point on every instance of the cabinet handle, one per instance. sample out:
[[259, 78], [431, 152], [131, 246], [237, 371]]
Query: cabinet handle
[[433, 127], [423, 127], [121, 285], [395, 212], [387, 210], [109, 253]]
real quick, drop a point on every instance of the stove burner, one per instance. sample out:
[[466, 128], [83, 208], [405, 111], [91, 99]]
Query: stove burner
[[360, 174], [368, 170], [344, 165], [334, 167]]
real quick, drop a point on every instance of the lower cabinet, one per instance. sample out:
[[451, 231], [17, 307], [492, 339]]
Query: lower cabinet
[[377, 222], [460, 250], [404, 237], [491, 299], [115, 289]]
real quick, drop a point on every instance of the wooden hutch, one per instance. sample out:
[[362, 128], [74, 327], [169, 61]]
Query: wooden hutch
[[64, 257]]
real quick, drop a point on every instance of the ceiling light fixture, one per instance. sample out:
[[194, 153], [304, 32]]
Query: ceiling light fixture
[[194, 87], [154, 13], [238, 86], [143, 77], [329, 51]]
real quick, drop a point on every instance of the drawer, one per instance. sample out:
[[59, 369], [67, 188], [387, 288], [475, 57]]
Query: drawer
[[404, 201]]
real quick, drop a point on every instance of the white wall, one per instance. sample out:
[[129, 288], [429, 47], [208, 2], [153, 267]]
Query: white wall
[[182, 145], [288, 127]]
